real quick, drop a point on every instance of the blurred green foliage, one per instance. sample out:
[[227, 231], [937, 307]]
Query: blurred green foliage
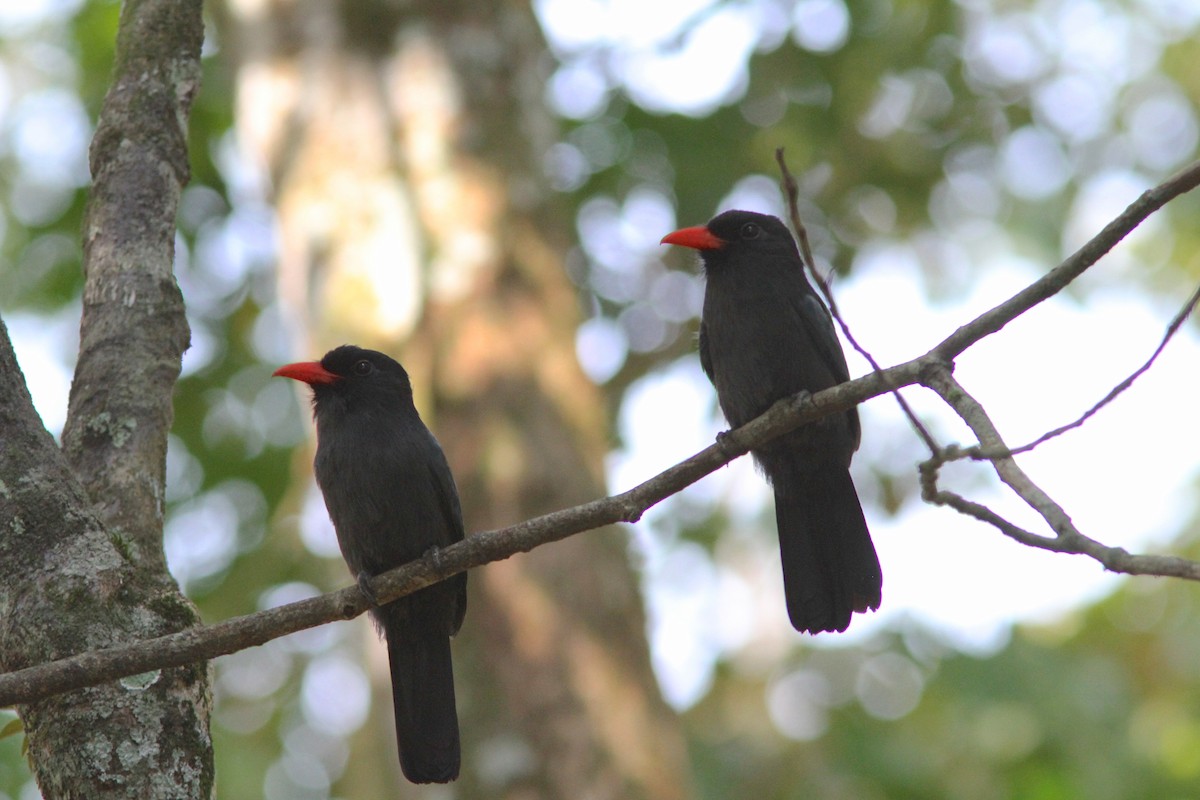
[[1104, 704]]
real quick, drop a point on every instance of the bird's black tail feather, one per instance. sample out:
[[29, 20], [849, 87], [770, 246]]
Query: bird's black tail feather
[[830, 569], [423, 700]]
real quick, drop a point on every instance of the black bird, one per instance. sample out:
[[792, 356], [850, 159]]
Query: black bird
[[391, 497], [765, 335]]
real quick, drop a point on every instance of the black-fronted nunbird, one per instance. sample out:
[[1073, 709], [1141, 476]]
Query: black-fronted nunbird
[[391, 497], [765, 335]]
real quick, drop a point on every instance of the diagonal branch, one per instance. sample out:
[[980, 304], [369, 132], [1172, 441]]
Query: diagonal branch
[[939, 379], [933, 370], [1172, 329], [1067, 538], [254, 629], [1058, 278]]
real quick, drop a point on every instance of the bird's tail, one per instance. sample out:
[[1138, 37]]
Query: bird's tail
[[830, 569], [423, 700]]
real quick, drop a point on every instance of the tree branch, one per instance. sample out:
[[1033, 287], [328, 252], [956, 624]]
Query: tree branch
[[133, 330], [933, 370], [1173, 328], [1058, 278], [81, 549], [474, 551], [939, 379]]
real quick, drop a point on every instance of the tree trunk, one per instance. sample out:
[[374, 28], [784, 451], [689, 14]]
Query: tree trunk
[[404, 145], [81, 548]]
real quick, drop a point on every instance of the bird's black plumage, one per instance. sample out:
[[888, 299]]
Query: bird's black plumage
[[391, 496], [765, 335]]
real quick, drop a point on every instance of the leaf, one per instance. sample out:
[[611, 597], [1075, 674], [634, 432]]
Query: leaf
[[13, 727]]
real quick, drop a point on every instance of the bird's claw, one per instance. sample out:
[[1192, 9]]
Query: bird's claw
[[726, 446], [364, 586], [434, 554]]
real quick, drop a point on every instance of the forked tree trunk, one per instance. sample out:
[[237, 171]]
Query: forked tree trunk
[[81, 550]]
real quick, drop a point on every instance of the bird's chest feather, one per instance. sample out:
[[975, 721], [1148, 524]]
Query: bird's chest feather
[[380, 492], [759, 348]]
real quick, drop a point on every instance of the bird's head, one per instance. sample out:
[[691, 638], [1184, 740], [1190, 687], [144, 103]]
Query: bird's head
[[351, 376], [735, 236]]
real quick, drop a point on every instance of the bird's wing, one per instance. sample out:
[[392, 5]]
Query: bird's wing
[[447, 498], [451, 508], [818, 324]]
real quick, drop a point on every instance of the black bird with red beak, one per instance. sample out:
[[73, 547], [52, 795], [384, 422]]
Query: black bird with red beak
[[765, 335], [391, 497]]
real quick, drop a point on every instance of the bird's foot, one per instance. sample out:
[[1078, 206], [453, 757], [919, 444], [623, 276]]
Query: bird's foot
[[364, 586], [434, 555], [726, 445]]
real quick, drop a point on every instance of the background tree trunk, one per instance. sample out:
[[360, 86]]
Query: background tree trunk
[[81, 549], [404, 147]]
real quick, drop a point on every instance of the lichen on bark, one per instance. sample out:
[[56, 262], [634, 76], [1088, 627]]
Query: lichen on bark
[[83, 524]]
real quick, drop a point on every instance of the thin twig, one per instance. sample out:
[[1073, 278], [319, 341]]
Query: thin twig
[[791, 190], [1172, 329], [1067, 538], [939, 379]]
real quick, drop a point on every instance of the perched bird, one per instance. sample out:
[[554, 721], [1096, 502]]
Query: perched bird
[[765, 335], [392, 498]]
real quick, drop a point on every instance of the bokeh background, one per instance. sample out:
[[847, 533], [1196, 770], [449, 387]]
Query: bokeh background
[[481, 191]]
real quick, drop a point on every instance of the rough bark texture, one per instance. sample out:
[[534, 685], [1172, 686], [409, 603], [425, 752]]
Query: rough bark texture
[[81, 546], [133, 332], [405, 144]]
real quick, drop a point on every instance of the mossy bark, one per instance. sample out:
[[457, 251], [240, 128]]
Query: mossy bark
[[81, 545]]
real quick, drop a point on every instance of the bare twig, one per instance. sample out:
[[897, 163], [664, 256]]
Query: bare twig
[[932, 370], [792, 191], [1067, 538], [1173, 328], [939, 379], [931, 493]]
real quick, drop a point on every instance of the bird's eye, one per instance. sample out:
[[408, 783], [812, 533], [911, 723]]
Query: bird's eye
[[750, 231], [363, 367]]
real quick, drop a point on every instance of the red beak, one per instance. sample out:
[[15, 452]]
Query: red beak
[[697, 238], [311, 372]]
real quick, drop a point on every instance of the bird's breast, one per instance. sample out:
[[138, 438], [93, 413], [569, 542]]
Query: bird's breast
[[380, 492], [760, 347]]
